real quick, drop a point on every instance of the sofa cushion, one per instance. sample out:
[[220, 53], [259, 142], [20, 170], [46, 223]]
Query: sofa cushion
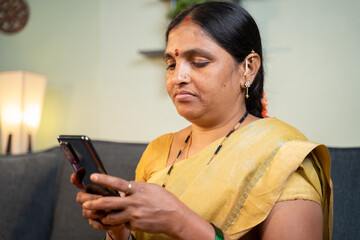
[[28, 193], [345, 169]]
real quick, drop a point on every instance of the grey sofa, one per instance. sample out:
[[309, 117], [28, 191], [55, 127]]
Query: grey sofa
[[37, 200]]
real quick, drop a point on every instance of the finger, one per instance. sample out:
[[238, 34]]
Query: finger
[[107, 203], [96, 224], [100, 190], [74, 179], [90, 214], [115, 218], [82, 197], [115, 183]]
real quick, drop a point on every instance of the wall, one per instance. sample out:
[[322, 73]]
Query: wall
[[99, 85], [135, 106], [59, 41], [311, 54]]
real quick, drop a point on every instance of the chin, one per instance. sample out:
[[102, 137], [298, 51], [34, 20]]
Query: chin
[[189, 115]]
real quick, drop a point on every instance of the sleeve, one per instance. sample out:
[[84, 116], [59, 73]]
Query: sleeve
[[154, 157], [304, 183], [140, 172]]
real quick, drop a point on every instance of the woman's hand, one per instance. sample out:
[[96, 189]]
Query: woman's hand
[[94, 216], [76, 178], [117, 231], [146, 207]]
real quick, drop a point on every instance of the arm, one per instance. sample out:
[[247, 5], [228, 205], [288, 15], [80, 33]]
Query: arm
[[297, 219]]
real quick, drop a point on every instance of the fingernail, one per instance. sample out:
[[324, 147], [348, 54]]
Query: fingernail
[[85, 206], [94, 177]]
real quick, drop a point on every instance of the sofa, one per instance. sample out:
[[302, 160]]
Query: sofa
[[37, 200]]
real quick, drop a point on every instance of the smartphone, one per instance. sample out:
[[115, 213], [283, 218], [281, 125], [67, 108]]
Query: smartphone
[[81, 154]]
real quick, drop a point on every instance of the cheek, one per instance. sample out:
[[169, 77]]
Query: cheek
[[169, 85], [207, 90]]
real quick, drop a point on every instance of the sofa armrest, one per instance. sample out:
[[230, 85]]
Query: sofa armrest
[[28, 194]]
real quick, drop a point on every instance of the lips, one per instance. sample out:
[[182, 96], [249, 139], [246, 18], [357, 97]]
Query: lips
[[183, 95]]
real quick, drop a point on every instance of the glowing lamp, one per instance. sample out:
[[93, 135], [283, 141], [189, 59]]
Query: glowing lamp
[[21, 98]]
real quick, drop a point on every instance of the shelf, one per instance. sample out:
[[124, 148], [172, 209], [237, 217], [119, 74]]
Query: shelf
[[152, 53]]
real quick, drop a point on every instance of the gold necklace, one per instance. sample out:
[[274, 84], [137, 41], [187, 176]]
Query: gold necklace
[[187, 145]]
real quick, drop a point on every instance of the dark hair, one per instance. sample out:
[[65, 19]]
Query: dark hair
[[233, 29]]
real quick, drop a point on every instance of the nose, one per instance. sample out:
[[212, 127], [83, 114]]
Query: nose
[[181, 75]]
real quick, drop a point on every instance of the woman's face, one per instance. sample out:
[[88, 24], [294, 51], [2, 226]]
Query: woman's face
[[202, 79]]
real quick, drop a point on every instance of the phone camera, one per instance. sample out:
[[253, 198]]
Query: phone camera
[[66, 148]]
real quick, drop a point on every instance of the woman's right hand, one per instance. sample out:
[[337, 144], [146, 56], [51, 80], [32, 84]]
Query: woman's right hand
[[94, 216], [83, 196], [116, 231]]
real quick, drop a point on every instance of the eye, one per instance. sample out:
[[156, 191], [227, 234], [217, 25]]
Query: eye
[[171, 66], [200, 64]]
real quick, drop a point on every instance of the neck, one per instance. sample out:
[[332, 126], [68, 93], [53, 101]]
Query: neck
[[203, 136]]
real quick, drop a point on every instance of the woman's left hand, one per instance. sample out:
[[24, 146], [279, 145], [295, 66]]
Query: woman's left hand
[[146, 207]]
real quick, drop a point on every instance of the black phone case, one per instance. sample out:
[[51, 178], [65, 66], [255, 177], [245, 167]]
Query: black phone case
[[82, 156]]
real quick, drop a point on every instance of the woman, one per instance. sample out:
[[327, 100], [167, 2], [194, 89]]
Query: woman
[[231, 174]]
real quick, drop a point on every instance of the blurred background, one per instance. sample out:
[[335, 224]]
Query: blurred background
[[100, 84]]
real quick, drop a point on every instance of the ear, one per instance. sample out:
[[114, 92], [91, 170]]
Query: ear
[[249, 68]]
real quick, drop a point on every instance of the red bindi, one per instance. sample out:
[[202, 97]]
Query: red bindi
[[176, 52], [187, 18]]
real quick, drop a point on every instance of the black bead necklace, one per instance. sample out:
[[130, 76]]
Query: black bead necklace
[[186, 145]]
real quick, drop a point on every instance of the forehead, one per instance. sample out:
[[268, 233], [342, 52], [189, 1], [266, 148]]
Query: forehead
[[189, 35]]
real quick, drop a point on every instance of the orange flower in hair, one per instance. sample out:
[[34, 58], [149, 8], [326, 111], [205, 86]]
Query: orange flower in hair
[[264, 106]]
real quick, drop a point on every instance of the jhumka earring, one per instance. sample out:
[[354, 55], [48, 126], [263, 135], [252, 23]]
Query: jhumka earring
[[247, 85]]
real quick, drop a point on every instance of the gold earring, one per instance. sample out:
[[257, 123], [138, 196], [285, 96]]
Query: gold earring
[[247, 85], [252, 58]]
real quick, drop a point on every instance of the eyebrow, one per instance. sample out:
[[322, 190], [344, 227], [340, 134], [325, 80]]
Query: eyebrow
[[191, 52]]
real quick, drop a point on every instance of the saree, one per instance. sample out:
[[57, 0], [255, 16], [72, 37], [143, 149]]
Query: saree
[[238, 189]]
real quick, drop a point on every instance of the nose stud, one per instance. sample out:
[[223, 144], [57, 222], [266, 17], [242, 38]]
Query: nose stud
[[180, 79]]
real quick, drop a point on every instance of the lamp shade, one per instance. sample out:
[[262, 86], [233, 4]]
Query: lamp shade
[[21, 100]]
